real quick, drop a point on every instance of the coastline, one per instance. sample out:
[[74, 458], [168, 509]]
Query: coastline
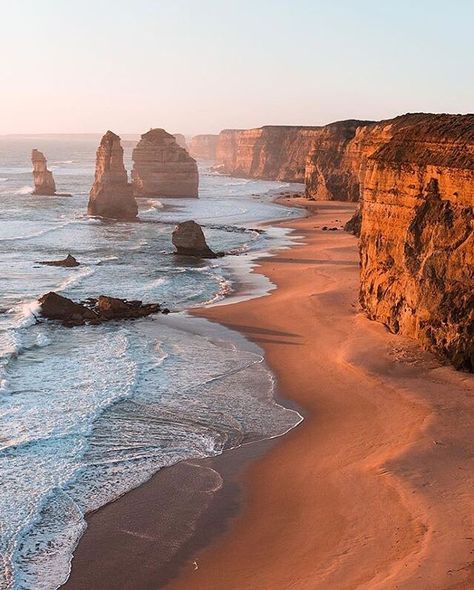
[[359, 495]]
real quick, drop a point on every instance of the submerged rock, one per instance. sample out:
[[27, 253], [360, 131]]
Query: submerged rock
[[188, 239], [93, 311], [111, 194], [161, 168], [42, 177], [67, 262]]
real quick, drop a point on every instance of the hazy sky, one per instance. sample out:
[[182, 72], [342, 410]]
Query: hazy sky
[[197, 66]]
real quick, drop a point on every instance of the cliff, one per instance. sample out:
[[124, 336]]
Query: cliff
[[111, 193], [181, 140], [333, 164], [417, 242], [203, 147], [271, 152], [42, 177], [162, 168]]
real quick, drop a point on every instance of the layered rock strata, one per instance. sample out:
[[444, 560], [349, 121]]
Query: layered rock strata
[[111, 194], [203, 147], [333, 165], [42, 177], [161, 168], [417, 240], [272, 152]]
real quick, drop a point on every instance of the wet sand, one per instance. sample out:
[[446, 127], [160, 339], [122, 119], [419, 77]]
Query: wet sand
[[373, 490]]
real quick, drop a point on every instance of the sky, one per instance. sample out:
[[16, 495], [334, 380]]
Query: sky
[[198, 66]]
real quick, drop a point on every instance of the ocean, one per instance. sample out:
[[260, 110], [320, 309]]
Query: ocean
[[87, 414]]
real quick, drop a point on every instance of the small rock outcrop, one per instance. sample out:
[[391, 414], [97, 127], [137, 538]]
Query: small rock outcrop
[[93, 311], [111, 194], [67, 262], [354, 224], [161, 168], [203, 147], [56, 307], [42, 177], [188, 239]]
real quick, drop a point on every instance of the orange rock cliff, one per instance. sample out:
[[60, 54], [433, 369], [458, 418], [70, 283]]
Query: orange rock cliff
[[203, 147], [417, 233], [272, 152]]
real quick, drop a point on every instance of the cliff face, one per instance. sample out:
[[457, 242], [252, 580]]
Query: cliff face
[[271, 152], [333, 164], [111, 193], [417, 240], [42, 177], [203, 147], [180, 140], [162, 168]]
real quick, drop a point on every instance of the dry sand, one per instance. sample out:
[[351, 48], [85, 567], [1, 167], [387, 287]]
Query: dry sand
[[375, 489]]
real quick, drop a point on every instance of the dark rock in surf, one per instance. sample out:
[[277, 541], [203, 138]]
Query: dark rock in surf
[[188, 239], [112, 308], [68, 262], [93, 311], [57, 307]]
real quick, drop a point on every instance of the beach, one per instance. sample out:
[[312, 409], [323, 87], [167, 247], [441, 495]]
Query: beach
[[372, 490]]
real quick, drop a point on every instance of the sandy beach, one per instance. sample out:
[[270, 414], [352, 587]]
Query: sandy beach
[[373, 490]]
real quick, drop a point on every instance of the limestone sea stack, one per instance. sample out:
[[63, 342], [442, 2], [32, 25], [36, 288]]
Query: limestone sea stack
[[42, 177], [417, 233], [188, 239], [111, 194], [203, 147], [161, 168]]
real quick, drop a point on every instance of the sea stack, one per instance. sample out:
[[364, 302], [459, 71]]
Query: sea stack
[[111, 194], [188, 239], [161, 168], [42, 177]]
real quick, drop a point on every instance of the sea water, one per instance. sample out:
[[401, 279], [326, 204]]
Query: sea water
[[87, 414]]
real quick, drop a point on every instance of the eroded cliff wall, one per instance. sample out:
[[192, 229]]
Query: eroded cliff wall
[[417, 240], [272, 152], [203, 147]]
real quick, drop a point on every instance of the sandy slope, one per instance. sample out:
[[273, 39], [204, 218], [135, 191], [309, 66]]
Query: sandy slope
[[374, 490]]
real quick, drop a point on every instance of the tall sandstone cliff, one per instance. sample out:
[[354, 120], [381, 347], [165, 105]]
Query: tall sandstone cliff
[[42, 177], [111, 194], [161, 168], [417, 233], [203, 147], [272, 152], [333, 164]]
